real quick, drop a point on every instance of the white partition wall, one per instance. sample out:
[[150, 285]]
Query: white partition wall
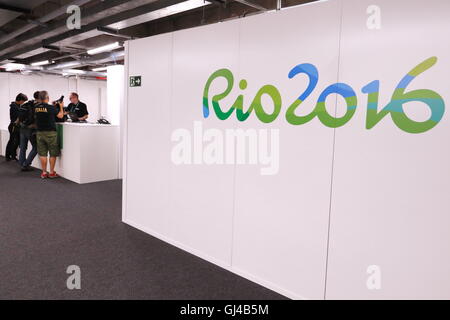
[[4, 96], [214, 185], [390, 208], [281, 220], [333, 186], [91, 92], [153, 155], [115, 93]]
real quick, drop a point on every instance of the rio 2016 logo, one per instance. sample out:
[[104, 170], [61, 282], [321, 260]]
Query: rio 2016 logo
[[395, 107]]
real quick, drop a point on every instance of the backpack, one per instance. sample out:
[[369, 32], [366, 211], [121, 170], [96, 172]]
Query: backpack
[[26, 117]]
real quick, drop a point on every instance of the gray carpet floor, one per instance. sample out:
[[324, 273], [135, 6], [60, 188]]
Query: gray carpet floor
[[47, 225]]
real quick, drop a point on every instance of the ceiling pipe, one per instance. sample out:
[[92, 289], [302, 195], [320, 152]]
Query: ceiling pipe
[[13, 8], [64, 49], [95, 60], [113, 57], [221, 2], [64, 65], [114, 32], [52, 15], [85, 73], [253, 5], [278, 4], [67, 52], [72, 55]]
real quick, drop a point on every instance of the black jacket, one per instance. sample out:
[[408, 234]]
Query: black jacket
[[26, 113], [13, 111]]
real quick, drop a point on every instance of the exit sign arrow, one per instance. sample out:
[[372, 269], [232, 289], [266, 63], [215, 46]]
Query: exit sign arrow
[[135, 81]]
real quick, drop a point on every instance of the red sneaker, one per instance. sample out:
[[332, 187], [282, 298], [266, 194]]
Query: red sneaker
[[44, 175], [53, 175]]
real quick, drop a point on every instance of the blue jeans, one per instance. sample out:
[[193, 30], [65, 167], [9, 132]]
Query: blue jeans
[[26, 135]]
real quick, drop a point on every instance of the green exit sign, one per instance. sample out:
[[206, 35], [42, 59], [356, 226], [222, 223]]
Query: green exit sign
[[135, 81]]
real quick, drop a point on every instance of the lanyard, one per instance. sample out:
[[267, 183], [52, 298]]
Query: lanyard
[[74, 107]]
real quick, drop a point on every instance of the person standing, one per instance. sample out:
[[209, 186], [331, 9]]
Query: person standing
[[77, 107], [28, 133], [13, 128], [47, 139]]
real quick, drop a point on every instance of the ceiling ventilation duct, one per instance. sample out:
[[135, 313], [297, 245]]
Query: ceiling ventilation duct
[[99, 59], [160, 13]]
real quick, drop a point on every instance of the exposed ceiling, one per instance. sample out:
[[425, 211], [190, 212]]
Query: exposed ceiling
[[36, 30]]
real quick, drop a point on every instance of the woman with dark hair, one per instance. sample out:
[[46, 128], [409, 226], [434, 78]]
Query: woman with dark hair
[[13, 128]]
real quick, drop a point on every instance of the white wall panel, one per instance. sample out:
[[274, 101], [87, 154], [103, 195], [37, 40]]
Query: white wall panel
[[73, 85], [28, 84], [281, 220], [90, 92], [148, 132], [4, 100], [201, 195], [390, 202], [115, 93]]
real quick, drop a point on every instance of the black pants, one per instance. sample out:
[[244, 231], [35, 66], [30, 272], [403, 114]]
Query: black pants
[[14, 141]]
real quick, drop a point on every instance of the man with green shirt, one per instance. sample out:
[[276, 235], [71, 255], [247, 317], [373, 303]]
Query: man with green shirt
[[47, 138]]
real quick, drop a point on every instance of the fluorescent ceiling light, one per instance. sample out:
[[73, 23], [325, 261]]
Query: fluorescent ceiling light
[[13, 66], [73, 71], [99, 69], [157, 14], [108, 47], [40, 63]]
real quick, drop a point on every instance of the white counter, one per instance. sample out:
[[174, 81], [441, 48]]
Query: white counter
[[90, 152]]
